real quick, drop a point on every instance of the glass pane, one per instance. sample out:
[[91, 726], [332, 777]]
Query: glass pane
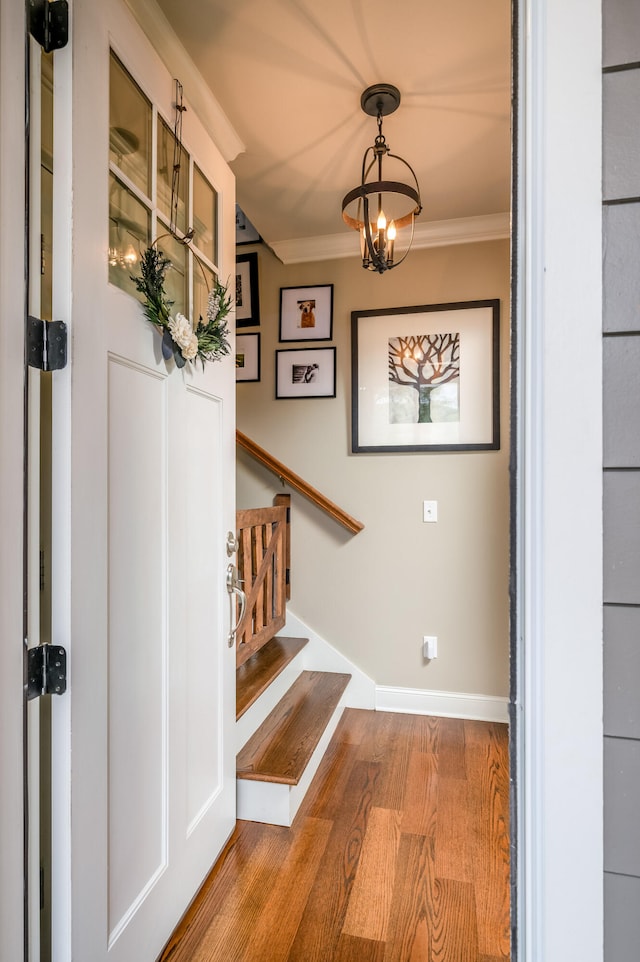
[[202, 284], [129, 234], [168, 160], [129, 127], [205, 209], [175, 280]]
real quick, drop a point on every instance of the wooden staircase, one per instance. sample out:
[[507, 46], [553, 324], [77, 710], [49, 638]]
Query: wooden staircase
[[286, 710], [276, 763]]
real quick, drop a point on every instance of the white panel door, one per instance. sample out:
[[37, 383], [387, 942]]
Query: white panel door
[[144, 477], [12, 299]]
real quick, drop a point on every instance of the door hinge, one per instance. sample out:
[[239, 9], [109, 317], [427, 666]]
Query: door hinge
[[49, 23], [46, 344], [46, 671]]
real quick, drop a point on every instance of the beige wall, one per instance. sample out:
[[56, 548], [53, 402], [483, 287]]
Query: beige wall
[[374, 595]]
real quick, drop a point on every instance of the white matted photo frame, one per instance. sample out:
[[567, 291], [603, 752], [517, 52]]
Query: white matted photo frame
[[306, 313], [426, 378], [247, 295], [306, 372], [247, 357]]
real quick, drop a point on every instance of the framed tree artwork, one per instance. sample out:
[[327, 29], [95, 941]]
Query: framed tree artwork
[[426, 378]]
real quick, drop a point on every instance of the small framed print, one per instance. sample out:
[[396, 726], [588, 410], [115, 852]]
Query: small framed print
[[247, 357], [426, 378], [247, 293], [306, 313], [306, 372]]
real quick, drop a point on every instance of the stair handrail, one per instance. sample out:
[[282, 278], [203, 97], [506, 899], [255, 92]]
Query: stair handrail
[[295, 481]]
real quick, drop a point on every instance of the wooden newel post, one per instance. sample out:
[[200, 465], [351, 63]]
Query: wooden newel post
[[279, 501]]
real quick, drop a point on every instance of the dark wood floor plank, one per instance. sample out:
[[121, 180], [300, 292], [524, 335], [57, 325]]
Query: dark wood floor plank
[[409, 938], [372, 893], [374, 745], [426, 737], [249, 863], [325, 797], [454, 828], [421, 796], [353, 726], [352, 949], [188, 933], [390, 738], [487, 764], [257, 673], [454, 935], [322, 922], [451, 748], [280, 749], [277, 925], [245, 902]]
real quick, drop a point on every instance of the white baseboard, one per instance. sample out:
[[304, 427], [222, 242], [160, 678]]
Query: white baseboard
[[448, 704], [319, 655]]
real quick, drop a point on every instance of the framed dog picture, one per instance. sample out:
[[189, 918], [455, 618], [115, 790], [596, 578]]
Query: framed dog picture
[[306, 313]]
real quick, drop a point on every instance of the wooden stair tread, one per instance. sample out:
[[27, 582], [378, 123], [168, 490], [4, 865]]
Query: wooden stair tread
[[257, 673], [280, 749]]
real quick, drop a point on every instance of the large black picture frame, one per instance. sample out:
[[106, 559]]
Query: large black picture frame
[[426, 378], [247, 290]]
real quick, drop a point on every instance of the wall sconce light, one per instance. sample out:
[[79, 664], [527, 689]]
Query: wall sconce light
[[380, 209]]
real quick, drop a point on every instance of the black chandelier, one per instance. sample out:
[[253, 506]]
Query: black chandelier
[[378, 209]]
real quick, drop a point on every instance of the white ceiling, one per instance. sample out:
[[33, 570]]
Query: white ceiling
[[289, 75]]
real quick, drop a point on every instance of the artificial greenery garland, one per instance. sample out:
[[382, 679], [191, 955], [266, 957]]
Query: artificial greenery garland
[[180, 339]]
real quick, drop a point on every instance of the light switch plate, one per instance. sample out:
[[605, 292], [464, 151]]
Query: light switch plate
[[430, 511], [430, 646]]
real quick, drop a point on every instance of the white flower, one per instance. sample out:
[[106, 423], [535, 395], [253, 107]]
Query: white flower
[[191, 349], [213, 305], [182, 333], [181, 330]]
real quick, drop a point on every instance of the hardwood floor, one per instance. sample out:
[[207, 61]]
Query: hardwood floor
[[399, 853]]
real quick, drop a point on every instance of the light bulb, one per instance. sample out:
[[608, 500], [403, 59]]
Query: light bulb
[[130, 257], [382, 221], [391, 233]]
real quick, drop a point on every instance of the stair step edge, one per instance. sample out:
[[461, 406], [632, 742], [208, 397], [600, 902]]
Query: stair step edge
[[258, 672], [280, 749]]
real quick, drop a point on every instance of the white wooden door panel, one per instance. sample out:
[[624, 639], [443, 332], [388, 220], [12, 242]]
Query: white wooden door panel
[[137, 635], [205, 650], [149, 453]]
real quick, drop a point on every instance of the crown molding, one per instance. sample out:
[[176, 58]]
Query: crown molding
[[176, 59], [440, 233]]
